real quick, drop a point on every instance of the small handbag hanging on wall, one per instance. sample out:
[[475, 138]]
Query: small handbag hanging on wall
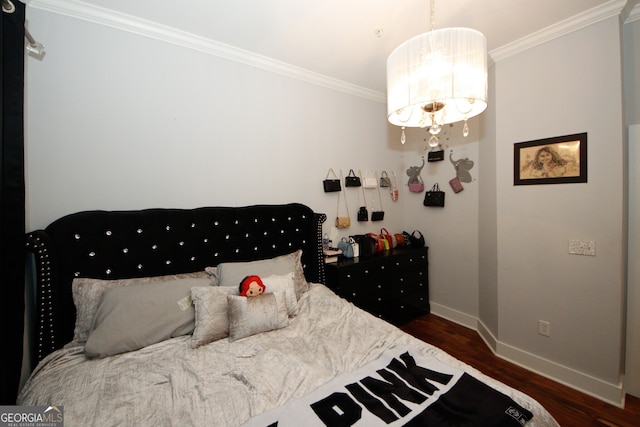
[[394, 188], [377, 215], [385, 181], [352, 180], [456, 185], [434, 197], [370, 180], [331, 184], [416, 185], [342, 221], [435, 155], [363, 213]]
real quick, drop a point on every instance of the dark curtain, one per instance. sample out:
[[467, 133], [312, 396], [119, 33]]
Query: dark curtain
[[12, 201]]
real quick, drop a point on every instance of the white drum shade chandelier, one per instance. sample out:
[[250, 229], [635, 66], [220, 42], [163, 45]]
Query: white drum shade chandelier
[[437, 78]]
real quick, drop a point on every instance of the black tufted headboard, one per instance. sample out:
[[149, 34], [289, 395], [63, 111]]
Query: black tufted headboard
[[156, 242]]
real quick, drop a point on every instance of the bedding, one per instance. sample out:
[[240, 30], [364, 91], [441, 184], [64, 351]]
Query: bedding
[[225, 360], [227, 383]]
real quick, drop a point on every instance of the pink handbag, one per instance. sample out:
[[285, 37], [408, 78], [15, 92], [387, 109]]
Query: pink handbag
[[416, 187]]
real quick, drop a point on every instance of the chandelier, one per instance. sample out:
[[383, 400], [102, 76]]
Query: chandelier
[[437, 78]]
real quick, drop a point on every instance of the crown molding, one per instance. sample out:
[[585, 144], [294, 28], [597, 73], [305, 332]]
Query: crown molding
[[634, 13], [109, 18], [582, 20]]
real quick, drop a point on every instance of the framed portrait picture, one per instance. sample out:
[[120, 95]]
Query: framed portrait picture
[[558, 160]]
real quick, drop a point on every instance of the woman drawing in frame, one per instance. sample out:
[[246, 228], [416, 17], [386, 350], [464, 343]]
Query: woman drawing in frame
[[548, 163]]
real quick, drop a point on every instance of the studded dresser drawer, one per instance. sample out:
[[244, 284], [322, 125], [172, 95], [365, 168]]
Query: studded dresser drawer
[[393, 285]]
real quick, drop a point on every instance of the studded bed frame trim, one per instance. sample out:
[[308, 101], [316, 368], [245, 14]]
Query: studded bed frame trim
[[156, 242]]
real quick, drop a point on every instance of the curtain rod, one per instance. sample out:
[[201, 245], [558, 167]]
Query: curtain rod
[[33, 47]]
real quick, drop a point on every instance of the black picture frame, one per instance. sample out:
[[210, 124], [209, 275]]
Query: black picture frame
[[557, 160]]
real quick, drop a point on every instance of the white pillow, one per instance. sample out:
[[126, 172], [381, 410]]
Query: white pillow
[[284, 284], [232, 273], [254, 315]]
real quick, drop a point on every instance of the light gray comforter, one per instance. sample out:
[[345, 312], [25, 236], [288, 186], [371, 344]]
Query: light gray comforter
[[225, 383]]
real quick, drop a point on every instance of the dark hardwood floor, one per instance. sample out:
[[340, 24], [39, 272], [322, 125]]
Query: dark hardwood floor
[[570, 407]]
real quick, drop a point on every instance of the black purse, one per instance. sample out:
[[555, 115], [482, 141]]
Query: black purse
[[435, 156], [417, 239], [434, 197], [366, 244], [377, 215], [330, 184], [352, 180], [363, 214]]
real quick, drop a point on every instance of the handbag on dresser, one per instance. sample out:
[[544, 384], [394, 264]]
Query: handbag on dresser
[[349, 247], [366, 244], [417, 239], [390, 238], [380, 243]]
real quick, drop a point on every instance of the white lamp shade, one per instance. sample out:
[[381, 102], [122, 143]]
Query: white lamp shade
[[443, 72]]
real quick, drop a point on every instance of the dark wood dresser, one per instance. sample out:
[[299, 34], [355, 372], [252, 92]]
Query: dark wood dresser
[[392, 285]]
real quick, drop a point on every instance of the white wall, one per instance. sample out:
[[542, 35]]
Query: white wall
[[450, 232], [565, 86], [120, 121]]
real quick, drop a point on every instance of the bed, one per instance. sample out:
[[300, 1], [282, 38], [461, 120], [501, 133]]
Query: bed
[[139, 322]]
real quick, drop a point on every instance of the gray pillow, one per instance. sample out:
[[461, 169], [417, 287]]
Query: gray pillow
[[87, 293], [232, 273], [132, 317], [254, 315], [212, 313]]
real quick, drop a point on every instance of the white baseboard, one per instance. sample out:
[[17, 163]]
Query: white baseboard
[[610, 393], [453, 315]]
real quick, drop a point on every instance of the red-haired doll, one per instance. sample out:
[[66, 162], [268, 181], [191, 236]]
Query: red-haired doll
[[251, 286]]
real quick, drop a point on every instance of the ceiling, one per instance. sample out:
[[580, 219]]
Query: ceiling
[[348, 40]]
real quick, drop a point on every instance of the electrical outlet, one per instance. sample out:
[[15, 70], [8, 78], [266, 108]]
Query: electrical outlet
[[582, 247], [544, 328]]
